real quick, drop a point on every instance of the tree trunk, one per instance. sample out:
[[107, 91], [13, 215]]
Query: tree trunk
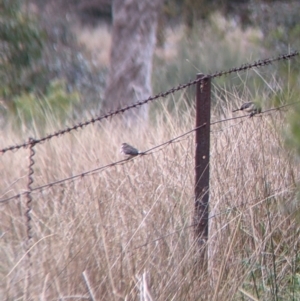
[[133, 43]]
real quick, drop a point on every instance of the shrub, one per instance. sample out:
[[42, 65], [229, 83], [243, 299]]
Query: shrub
[[21, 44], [36, 111]]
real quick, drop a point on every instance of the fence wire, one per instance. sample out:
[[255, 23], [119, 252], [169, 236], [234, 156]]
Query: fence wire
[[80, 125], [145, 152]]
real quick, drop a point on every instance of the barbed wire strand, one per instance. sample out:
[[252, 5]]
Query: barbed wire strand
[[28, 215], [147, 152], [256, 64]]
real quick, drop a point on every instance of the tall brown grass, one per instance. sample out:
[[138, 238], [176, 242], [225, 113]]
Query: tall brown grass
[[126, 231]]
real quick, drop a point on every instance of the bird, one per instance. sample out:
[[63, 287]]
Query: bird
[[129, 150], [250, 107]]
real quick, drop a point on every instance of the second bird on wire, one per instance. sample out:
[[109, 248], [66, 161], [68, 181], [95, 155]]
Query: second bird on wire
[[249, 107]]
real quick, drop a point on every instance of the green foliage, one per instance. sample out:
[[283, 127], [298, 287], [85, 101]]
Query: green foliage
[[293, 132], [52, 107], [29, 100], [193, 11], [279, 21], [288, 74], [21, 44], [218, 45]]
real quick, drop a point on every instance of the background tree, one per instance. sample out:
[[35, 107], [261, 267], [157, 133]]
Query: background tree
[[133, 42]]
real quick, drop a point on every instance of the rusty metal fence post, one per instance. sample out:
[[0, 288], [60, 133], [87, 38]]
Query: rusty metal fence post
[[203, 96], [31, 144]]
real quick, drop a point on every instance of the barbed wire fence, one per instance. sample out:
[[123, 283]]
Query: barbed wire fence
[[32, 143], [124, 161]]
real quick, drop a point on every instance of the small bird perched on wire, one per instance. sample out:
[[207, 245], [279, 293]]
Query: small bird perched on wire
[[129, 150], [249, 107]]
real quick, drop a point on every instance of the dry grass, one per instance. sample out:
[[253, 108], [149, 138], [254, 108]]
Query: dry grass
[[128, 226]]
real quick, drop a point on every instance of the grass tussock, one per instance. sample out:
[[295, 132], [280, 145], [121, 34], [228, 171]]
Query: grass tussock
[[126, 230]]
